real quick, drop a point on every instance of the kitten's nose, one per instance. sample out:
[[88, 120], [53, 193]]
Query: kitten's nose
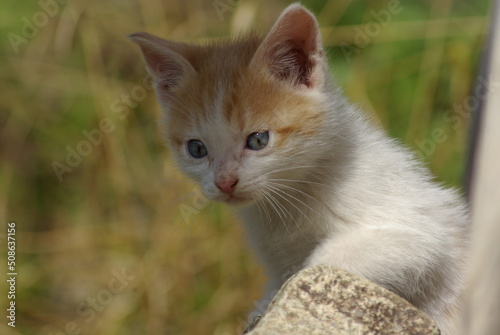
[[227, 185]]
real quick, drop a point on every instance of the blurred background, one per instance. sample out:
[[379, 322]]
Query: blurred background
[[111, 239]]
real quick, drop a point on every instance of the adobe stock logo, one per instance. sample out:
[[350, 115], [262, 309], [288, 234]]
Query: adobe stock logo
[[457, 115], [120, 108], [93, 305], [364, 35], [223, 6], [31, 26]]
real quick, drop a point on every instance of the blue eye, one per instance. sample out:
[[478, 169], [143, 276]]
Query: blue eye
[[196, 148], [257, 141]]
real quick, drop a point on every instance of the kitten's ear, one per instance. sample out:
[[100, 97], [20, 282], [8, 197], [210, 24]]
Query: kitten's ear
[[292, 50], [164, 59]]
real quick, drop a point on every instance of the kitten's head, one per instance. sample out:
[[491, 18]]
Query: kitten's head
[[243, 116]]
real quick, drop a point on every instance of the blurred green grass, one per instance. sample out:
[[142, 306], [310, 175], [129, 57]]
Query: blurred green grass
[[121, 207]]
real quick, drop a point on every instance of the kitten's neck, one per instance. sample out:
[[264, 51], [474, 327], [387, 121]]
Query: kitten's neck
[[294, 217], [285, 227]]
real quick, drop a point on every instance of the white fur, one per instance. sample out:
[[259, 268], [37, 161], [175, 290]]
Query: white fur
[[371, 209], [348, 196]]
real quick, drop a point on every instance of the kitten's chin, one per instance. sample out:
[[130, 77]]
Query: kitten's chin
[[238, 201]]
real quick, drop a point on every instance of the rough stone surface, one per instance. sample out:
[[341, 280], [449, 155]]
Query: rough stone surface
[[325, 300]]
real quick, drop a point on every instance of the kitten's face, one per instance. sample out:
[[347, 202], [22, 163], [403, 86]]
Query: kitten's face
[[242, 134], [243, 117]]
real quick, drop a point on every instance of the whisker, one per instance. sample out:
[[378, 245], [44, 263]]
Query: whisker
[[258, 203], [297, 181], [278, 185], [293, 168], [345, 139], [264, 208], [288, 212], [276, 191], [294, 189], [272, 203], [280, 206], [297, 199]]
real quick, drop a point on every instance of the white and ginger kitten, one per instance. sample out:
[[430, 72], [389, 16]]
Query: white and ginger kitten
[[258, 123]]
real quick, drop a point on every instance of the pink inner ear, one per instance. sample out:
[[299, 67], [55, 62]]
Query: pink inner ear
[[165, 64], [292, 47], [169, 72], [290, 61]]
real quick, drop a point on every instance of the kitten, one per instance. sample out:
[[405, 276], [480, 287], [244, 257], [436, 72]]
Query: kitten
[[258, 123]]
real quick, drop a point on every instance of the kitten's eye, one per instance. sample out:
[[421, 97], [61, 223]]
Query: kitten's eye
[[197, 149], [257, 141]]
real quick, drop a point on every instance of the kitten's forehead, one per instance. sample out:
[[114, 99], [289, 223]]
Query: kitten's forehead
[[218, 87]]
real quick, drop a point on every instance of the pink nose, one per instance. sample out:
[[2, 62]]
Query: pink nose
[[227, 186]]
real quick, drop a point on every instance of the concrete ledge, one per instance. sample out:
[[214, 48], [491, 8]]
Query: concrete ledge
[[326, 300]]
